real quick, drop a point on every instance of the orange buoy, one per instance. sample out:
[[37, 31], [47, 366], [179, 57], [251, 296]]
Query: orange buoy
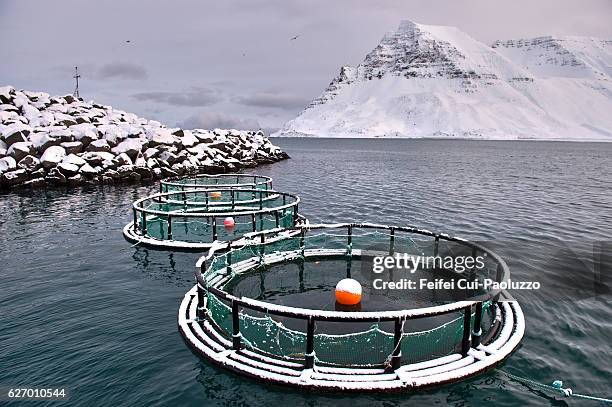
[[229, 222], [348, 292], [215, 194]]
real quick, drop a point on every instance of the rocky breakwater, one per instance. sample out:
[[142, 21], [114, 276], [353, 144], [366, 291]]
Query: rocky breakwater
[[64, 140]]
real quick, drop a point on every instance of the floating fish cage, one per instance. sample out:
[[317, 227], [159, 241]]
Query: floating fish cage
[[193, 219], [205, 181], [240, 314]]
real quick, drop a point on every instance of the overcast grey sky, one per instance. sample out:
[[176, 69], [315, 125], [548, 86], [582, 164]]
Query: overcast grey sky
[[231, 63]]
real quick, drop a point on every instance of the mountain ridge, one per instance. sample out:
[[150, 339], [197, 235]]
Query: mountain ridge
[[436, 81]]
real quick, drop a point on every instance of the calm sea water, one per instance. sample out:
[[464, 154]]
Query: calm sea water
[[81, 308]]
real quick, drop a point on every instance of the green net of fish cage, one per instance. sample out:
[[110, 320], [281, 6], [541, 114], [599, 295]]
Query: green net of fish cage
[[336, 343], [218, 181], [370, 347], [199, 216]]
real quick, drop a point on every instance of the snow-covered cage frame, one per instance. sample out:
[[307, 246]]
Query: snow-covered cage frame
[[193, 219], [247, 336], [213, 182]]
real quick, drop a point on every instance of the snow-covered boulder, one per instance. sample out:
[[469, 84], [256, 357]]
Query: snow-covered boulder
[[99, 145], [15, 177], [7, 164], [29, 163], [20, 149], [15, 133], [41, 141], [152, 163], [88, 170], [84, 132], [164, 137], [123, 159], [188, 139], [74, 159], [72, 147], [140, 161], [52, 156], [97, 157], [6, 94], [168, 157], [130, 146], [151, 152], [68, 169]]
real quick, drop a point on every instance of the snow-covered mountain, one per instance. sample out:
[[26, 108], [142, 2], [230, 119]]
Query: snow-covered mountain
[[435, 81]]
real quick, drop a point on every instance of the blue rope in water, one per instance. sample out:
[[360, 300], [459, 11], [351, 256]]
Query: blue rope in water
[[556, 387]]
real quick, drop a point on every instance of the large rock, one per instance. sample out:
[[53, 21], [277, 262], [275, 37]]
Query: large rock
[[125, 170], [178, 168], [68, 169], [167, 172], [6, 94], [140, 161], [189, 140], [38, 173], [123, 159], [221, 146], [152, 163], [74, 159], [88, 170], [42, 141], [52, 156], [168, 158], [76, 179], [30, 112], [15, 133], [98, 157], [72, 147], [151, 153], [15, 177], [110, 164], [130, 146], [61, 133], [29, 163], [164, 137], [204, 136], [55, 177], [8, 116], [116, 132], [7, 164], [112, 174], [20, 150], [84, 132], [99, 145]]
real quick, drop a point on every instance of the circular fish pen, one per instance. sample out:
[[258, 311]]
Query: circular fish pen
[[206, 181], [193, 219], [238, 317]]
